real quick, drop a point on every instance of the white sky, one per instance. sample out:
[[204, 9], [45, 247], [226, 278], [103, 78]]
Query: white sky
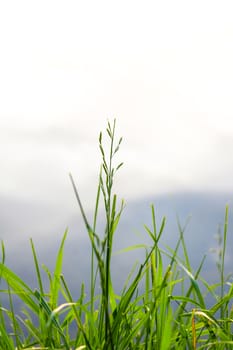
[[162, 68]]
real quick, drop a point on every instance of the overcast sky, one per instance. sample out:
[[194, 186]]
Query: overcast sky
[[163, 69]]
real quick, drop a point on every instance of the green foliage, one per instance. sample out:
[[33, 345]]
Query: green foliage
[[161, 306]]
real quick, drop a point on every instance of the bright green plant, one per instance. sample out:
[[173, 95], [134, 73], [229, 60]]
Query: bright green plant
[[162, 304]]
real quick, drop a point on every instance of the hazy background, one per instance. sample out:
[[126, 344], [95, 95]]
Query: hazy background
[[163, 69]]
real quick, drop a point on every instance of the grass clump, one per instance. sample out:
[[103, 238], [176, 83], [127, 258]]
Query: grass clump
[[161, 306]]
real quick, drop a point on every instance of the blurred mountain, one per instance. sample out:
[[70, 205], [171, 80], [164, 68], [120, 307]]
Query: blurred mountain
[[201, 214]]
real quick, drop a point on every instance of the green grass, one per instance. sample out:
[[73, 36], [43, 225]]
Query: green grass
[[161, 306]]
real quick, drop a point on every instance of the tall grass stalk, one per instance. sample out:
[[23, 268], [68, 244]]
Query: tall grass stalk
[[162, 304]]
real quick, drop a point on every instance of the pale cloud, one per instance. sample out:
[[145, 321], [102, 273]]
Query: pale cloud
[[163, 69]]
